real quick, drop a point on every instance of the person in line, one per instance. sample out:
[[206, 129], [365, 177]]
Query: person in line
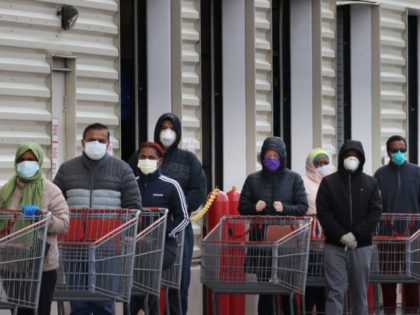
[[184, 167], [399, 181], [274, 190], [159, 191], [97, 180], [349, 206], [28, 187], [318, 165]]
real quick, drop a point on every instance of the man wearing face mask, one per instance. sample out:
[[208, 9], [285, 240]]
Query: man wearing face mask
[[399, 182], [349, 206], [97, 180], [274, 190], [186, 169]]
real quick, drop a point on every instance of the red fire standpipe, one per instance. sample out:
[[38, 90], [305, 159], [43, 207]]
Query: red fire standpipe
[[237, 301]]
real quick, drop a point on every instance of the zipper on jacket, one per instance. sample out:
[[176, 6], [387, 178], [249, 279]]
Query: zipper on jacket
[[91, 187], [399, 178], [350, 202]]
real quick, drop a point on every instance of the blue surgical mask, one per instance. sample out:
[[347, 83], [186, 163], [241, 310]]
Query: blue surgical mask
[[398, 158], [323, 170], [28, 169]]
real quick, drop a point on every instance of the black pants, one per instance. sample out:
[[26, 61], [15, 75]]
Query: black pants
[[269, 304], [49, 279], [138, 303]]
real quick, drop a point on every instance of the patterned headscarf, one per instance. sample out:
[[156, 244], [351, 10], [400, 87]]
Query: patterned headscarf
[[320, 153]]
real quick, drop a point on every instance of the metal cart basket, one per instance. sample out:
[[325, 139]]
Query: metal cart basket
[[316, 255], [171, 277], [273, 249], [22, 252], [97, 255], [148, 257], [396, 256]]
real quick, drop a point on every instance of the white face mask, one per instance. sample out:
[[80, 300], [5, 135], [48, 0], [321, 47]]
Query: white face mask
[[323, 170], [147, 166], [95, 150], [28, 169], [351, 163], [167, 137]]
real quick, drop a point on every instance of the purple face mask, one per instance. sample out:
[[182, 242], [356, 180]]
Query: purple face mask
[[271, 164]]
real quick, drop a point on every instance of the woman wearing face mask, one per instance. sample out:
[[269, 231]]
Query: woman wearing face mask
[[348, 206], [274, 190], [29, 188], [160, 191], [318, 165]]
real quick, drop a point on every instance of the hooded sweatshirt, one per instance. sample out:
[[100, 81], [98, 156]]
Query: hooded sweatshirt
[[349, 202], [178, 164], [281, 185]]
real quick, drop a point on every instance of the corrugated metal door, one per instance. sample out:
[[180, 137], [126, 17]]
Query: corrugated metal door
[[393, 74], [186, 87], [28, 43], [258, 77], [324, 80]]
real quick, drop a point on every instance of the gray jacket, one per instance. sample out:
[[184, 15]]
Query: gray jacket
[[108, 183]]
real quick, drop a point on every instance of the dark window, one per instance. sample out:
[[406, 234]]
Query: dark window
[[413, 82], [212, 97], [343, 75], [133, 75], [281, 72]]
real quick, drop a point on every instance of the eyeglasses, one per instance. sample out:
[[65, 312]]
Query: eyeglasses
[[396, 150]]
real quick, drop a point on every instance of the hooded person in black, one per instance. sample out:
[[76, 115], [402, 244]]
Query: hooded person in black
[[274, 190], [349, 206], [186, 169]]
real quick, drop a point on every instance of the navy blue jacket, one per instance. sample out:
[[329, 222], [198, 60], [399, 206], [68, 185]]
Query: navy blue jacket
[[181, 165], [160, 191], [400, 187], [349, 202]]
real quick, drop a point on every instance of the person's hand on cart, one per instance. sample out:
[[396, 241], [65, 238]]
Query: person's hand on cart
[[31, 210]]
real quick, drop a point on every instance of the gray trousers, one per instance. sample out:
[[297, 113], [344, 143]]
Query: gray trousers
[[346, 269]]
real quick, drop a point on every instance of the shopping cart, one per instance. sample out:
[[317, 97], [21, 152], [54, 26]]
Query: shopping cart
[[396, 249], [315, 277], [97, 256], [271, 250], [22, 252], [171, 278], [396, 255], [148, 257]]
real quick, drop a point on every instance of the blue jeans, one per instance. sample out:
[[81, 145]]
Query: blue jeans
[[186, 275]]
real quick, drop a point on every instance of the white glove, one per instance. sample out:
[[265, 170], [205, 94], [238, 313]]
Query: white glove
[[278, 206], [349, 241]]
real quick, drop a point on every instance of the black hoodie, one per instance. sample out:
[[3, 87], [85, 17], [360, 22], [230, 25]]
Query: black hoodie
[[349, 201], [281, 185], [178, 164]]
